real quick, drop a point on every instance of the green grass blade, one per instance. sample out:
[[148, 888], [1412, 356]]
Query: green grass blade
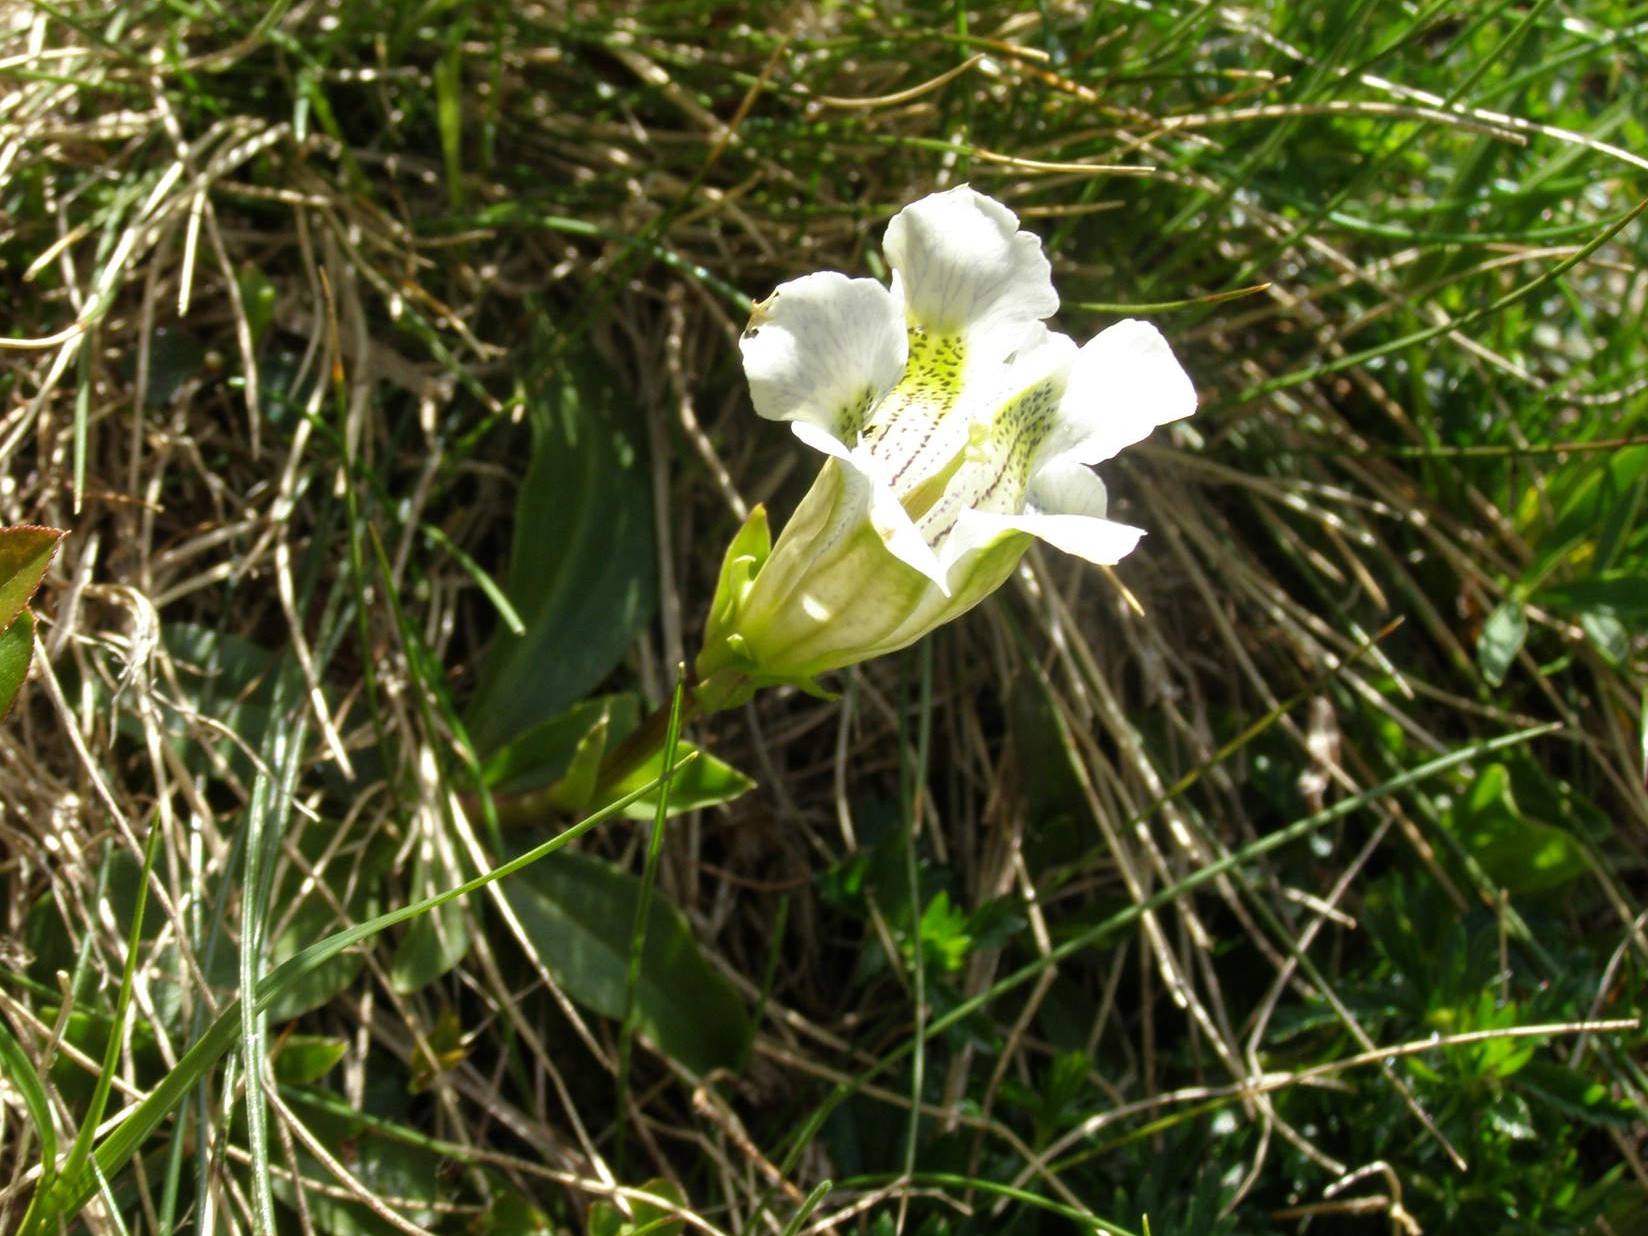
[[643, 905], [74, 1188], [81, 1149], [19, 1069], [809, 1204]]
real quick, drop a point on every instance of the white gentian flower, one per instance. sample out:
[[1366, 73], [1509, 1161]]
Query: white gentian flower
[[956, 427]]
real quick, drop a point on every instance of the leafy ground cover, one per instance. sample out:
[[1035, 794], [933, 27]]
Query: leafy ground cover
[[379, 358]]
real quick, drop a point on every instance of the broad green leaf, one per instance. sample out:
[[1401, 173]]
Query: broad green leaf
[[582, 574], [87, 1031], [578, 912], [295, 924], [1583, 493], [177, 358], [16, 650], [511, 1213], [543, 754], [1519, 854], [25, 553], [1503, 635], [304, 1058], [434, 943]]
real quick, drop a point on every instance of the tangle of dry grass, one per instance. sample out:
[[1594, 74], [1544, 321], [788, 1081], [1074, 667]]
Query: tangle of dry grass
[[281, 287]]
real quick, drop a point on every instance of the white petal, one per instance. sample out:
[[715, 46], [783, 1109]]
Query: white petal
[[887, 515], [1124, 383], [1065, 487], [822, 349], [820, 439], [1066, 509], [965, 269]]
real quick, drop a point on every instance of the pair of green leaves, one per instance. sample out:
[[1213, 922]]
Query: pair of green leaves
[[558, 762], [582, 579], [577, 912], [25, 553]]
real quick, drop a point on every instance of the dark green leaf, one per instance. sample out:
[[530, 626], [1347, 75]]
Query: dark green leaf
[[1519, 854], [576, 787], [326, 980], [304, 1058], [581, 573], [407, 1176], [16, 650], [176, 358], [578, 912], [543, 754], [434, 943], [230, 679], [512, 1214], [302, 913]]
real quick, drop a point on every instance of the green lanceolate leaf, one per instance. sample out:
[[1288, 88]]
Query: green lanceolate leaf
[[19, 1071], [300, 1059], [581, 571], [579, 914], [25, 553], [1607, 634], [576, 787], [545, 753], [703, 783], [562, 755], [16, 650]]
